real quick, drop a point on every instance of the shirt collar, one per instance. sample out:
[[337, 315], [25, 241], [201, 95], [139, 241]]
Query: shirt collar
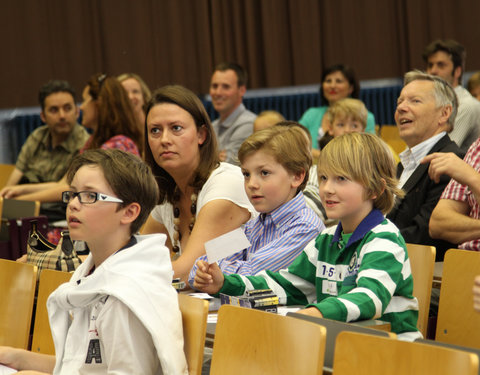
[[374, 218], [283, 213], [230, 119], [418, 152]]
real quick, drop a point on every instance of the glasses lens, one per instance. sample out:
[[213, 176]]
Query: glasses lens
[[66, 196], [87, 197]]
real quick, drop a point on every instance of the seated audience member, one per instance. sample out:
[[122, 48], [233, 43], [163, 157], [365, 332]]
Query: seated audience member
[[356, 270], [227, 88], [108, 113], [119, 312], [338, 82], [425, 114], [267, 119], [456, 218], [275, 163], [200, 198], [139, 95], [311, 192], [344, 116], [48, 151], [347, 116], [446, 59], [473, 85]]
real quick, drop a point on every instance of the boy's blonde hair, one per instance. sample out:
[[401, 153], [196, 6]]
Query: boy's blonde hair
[[267, 119], [366, 159], [348, 107], [288, 145]]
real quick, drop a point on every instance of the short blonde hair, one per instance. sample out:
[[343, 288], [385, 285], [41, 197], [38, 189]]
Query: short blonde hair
[[269, 116], [348, 107], [288, 145], [474, 81], [366, 159]]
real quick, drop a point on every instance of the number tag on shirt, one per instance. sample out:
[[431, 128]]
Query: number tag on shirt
[[329, 287]]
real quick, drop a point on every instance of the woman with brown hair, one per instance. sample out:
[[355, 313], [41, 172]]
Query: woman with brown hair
[[200, 198]]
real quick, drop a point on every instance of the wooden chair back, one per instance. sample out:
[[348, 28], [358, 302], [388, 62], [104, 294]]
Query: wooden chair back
[[252, 342], [457, 322], [42, 341], [333, 328], [361, 354], [422, 263], [17, 293], [194, 319], [5, 172], [13, 208], [389, 133]]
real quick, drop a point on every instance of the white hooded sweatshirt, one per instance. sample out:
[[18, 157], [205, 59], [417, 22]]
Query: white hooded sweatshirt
[[123, 318]]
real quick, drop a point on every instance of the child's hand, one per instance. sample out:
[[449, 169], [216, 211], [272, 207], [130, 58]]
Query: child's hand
[[311, 311], [209, 278]]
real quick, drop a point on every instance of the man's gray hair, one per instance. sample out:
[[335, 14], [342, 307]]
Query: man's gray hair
[[443, 92]]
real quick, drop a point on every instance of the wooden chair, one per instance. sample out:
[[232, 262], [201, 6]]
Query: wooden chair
[[361, 354], [13, 208], [389, 133], [12, 233], [17, 292], [333, 328], [457, 322], [249, 341], [194, 319], [5, 172], [422, 263], [42, 337]]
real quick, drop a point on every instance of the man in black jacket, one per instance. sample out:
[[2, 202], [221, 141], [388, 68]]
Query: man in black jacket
[[426, 110]]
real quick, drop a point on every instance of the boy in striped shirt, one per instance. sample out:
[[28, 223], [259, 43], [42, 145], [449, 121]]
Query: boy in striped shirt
[[275, 163], [356, 270]]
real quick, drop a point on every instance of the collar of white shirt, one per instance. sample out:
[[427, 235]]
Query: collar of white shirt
[[411, 157]]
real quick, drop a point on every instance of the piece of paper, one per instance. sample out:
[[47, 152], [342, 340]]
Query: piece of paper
[[201, 295], [4, 370], [225, 245]]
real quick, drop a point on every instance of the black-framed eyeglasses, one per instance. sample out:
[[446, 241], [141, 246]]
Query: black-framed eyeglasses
[[88, 197]]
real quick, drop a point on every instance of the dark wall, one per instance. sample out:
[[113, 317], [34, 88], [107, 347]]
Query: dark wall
[[281, 42]]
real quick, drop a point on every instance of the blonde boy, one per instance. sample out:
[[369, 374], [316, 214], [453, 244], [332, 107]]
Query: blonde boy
[[275, 163], [267, 119], [356, 270], [344, 116], [119, 312]]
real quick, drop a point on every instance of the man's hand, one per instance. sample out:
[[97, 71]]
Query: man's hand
[[222, 155], [10, 192], [450, 164], [209, 278]]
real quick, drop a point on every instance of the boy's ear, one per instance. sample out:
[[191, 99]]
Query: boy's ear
[[384, 184], [298, 179], [130, 213]]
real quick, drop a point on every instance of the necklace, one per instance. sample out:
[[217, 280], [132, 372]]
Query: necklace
[[177, 236]]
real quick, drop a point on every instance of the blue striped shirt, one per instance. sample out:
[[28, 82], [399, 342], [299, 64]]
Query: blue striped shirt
[[276, 238]]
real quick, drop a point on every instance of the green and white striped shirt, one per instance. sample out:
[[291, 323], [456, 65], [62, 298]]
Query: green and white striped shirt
[[369, 277]]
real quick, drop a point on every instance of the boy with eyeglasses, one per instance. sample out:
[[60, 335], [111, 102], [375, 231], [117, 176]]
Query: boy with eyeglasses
[[119, 313]]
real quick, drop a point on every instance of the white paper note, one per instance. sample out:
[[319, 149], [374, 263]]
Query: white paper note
[[4, 370], [225, 245]]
